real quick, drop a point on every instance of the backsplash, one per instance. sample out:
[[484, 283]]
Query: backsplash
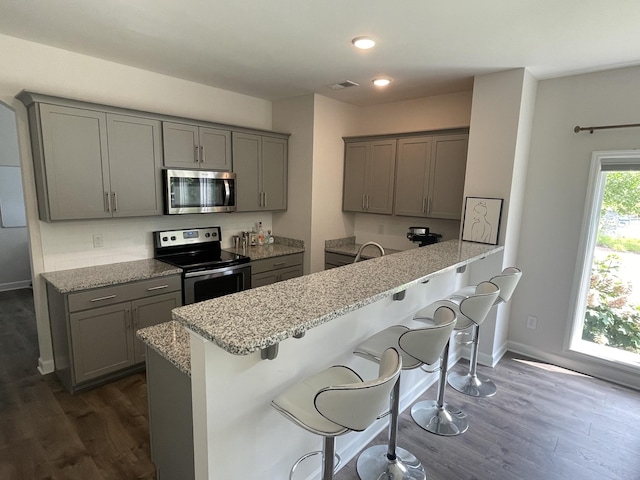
[[68, 245]]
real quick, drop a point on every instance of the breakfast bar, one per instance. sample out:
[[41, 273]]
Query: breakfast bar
[[247, 347]]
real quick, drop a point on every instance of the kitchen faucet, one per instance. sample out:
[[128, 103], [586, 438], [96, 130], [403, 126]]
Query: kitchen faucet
[[366, 245]]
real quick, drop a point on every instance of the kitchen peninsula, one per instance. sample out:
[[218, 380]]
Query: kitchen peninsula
[[304, 324]]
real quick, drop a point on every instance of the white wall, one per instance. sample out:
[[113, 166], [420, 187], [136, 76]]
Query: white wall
[[15, 271], [556, 186], [296, 116], [43, 69]]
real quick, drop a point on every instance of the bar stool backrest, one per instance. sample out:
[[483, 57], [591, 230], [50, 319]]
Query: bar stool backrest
[[474, 309], [507, 281], [357, 405], [426, 344]]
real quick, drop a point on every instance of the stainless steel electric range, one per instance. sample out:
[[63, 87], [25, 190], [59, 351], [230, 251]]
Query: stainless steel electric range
[[208, 271]]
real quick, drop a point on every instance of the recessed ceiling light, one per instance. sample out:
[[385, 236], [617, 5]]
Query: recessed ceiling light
[[363, 43], [381, 82]]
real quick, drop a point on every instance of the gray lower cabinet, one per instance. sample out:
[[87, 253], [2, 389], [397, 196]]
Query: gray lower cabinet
[[94, 331], [430, 176], [333, 260], [170, 419], [276, 269], [93, 164], [260, 163], [369, 171], [196, 147]]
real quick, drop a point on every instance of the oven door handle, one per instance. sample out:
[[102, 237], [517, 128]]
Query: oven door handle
[[227, 192], [202, 273]]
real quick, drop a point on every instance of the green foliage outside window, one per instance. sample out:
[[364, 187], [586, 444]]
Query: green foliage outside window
[[609, 318]]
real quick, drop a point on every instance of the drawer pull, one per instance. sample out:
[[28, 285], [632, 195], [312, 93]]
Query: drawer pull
[[159, 287], [103, 298], [279, 264]]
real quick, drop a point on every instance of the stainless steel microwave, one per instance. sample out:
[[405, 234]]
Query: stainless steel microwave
[[199, 191]]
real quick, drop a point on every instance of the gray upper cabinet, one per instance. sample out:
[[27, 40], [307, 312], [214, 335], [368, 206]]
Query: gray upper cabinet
[[430, 175], [448, 169], [135, 162], [369, 172], [72, 165], [92, 164], [260, 163], [191, 146]]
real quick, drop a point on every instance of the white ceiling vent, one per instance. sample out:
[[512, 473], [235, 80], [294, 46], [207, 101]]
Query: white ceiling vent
[[345, 84]]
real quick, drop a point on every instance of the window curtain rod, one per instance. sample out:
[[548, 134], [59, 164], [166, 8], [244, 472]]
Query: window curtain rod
[[579, 129]]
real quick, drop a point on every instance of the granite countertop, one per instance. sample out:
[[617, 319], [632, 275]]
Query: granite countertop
[[266, 251], [68, 281], [251, 320], [170, 340]]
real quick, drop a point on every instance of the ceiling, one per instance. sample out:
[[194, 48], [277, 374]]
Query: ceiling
[[274, 49]]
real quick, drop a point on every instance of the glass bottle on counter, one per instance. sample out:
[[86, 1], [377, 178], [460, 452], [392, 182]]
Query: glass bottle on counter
[[260, 234]]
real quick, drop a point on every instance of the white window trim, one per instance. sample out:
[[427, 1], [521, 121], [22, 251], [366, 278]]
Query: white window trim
[[584, 260]]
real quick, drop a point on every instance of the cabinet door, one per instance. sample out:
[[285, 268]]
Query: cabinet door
[[135, 163], [74, 143], [148, 312], [412, 176], [246, 160], [101, 341], [180, 143], [274, 173], [448, 168], [216, 149], [380, 177], [265, 278], [355, 165]]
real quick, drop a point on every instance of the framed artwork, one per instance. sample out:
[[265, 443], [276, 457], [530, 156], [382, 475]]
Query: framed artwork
[[481, 222]]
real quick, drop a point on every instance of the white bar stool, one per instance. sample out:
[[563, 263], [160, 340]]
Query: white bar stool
[[417, 347], [471, 383], [336, 401], [436, 416]]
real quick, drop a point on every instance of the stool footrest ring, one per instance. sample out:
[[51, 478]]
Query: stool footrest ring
[[312, 454]]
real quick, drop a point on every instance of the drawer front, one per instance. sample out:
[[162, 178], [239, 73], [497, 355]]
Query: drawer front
[[276, 263], [100, 297]]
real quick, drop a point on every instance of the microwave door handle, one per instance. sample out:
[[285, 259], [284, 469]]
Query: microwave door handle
[[227, 192]]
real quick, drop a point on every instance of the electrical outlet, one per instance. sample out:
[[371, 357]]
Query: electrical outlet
[[532, 322], [97, 240]]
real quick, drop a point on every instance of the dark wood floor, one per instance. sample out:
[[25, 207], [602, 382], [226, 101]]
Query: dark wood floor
[[46, 433], [545, 423]]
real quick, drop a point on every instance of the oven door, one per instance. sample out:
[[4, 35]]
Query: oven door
[[207, 284], [199, 191]]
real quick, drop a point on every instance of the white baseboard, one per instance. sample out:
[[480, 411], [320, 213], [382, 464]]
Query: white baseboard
[[5, 287], [484, 358], [45, 366]]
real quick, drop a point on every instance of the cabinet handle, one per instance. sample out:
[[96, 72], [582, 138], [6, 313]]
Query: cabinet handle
[[99, 299], [279, 264], [265, 199], [428, 205], [196, 153], [202, 157], [115, 202], [363, 204], [107, 203], [367, 202], [159, 287], [424, 205]]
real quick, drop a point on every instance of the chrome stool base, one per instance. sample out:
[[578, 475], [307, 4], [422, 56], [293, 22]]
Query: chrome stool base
[[336, 461], [441, 420], [374, 464], [473, 385]]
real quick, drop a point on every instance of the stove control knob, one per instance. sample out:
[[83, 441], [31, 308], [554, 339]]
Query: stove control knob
[[207, 235], [173, 238], [164, 239]]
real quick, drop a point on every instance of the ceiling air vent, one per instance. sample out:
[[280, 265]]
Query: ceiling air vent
[[345, 84]]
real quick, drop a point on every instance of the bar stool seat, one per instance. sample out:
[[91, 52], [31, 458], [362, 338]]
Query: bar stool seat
[[471, 383], [418, 347], [336, 401]]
